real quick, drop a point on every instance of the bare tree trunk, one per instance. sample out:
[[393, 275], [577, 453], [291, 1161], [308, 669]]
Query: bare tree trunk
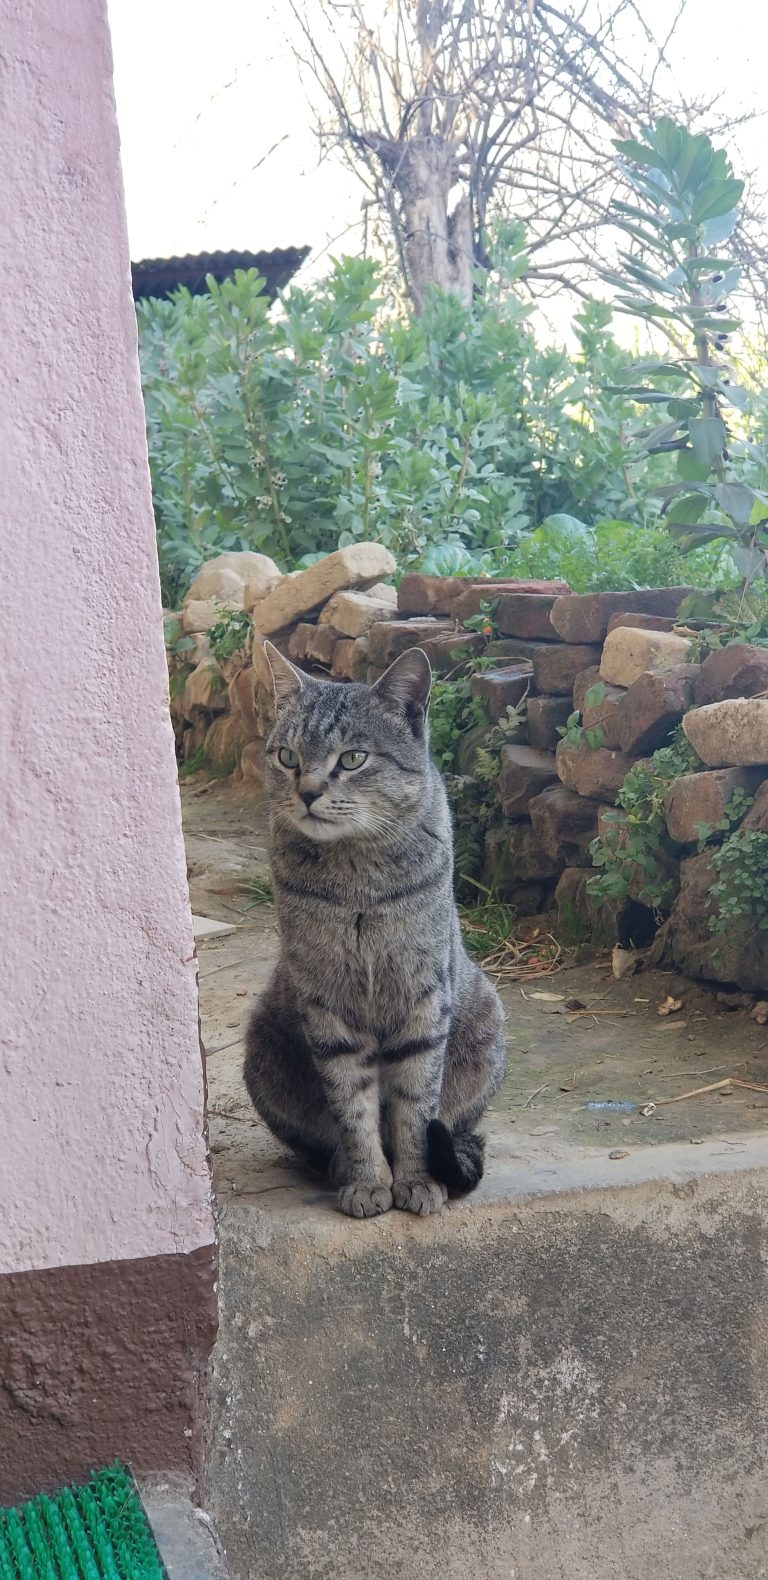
[[437, 246]]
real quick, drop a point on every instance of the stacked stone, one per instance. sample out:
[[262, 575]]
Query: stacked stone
[[552, 794]]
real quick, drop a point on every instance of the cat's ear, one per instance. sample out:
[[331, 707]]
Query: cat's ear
[[287, 681], [404, 688]]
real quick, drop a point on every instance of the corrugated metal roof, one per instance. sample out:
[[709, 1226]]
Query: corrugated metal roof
[[161, 276]]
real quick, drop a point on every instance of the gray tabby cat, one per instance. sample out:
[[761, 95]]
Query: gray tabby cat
[[378, 1043]]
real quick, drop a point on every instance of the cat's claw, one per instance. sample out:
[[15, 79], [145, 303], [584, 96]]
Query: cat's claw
[[422, 1195], [364, 1201]]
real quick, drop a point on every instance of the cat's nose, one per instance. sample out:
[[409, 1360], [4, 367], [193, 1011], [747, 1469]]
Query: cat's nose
[[308, 796]]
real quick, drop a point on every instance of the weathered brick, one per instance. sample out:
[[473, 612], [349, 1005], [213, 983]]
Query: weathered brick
[[321, 645], [419, 594], [388, 638], [630, 651], [524, 774], [598, 774], [545, 714], [605, 714], [740, 957], [501, 872], [374, 672], [481, 592], [583, 617], [204, 691], [359, 565], [736, 671], [565, 823], [582, 684], [519, 856], [556, 666], [446, 653], [525, 614], [502, 688], [351, 613], [652, 706], [297, 642], [359, 664], [583, 917], [757, 816], [643, 622], [694, 799], [731, 734], [343, 658]]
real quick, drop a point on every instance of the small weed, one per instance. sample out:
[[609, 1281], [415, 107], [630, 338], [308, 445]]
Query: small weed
[[740, 895], [193, 764], [488, 924], [230, 633], [259, 886]]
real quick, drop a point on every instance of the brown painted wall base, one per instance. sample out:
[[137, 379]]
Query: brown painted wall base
[[103, 1362]]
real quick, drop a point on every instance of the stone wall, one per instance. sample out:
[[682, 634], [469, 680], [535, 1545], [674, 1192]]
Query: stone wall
[[621, 660]]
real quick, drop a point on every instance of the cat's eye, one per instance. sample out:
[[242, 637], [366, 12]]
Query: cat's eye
[[352, 760], [287, 757]]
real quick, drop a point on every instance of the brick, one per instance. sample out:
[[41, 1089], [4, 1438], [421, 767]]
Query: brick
[[419, 594], [489, 592], [388, 638], [597, 774], [582, 917], [446, 653], [582, 684], [732, 734], [501, 873], [545, 715], [564, 823], [736, 671], [740, 957], [506, 648], [351, 613], [525, 614], [629, 652], [556, 666], [297, 642], [524, 774], [757, 816], [358, 566], [652, 706], [374, 672], [343, 658], [583, 617], [242, 700], [502, 688], [605, 714], [321, 645], [359, 664], [702, 798], [204, 691], [643, 622], [519, 857]]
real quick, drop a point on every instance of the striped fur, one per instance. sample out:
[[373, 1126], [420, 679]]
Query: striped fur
[[376, 1022]]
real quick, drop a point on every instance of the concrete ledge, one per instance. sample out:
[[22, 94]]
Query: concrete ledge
[[564, 1377]]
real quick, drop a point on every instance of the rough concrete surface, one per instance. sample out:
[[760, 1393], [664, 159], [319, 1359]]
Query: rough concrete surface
[[185, 1534], [562, 1377]]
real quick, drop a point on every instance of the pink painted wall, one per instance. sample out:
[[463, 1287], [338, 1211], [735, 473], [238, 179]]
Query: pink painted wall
[[102, 1150]]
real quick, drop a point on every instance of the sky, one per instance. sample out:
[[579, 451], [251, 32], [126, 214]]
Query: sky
[[204, 92]]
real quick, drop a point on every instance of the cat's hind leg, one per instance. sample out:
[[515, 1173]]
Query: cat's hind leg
[[474, 1069], [284, 1086]]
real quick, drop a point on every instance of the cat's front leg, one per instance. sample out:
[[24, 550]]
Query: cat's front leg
[[413, 1076], [351, 1085]]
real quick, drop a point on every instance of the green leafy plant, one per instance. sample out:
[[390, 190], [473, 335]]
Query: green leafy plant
[[230, 633], [740, 894], [679, 278], [453, 710], [736, 809], [634, 852]]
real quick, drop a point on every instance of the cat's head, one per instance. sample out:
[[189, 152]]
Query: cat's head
[[347, 761]]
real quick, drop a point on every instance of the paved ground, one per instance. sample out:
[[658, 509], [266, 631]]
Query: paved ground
[[560, 1062]]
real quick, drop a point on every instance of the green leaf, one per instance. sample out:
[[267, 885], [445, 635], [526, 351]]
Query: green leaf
[[736, 500], [691, 469], [708, 439], [594, 696], [718, 199]]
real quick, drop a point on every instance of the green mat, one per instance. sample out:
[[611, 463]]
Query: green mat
[[97, 1532]]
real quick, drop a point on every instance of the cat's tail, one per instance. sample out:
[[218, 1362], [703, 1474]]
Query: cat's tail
[[456, 1158]]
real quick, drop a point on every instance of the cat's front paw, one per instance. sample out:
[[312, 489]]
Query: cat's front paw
[[420, 1194], [360, 1199]]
